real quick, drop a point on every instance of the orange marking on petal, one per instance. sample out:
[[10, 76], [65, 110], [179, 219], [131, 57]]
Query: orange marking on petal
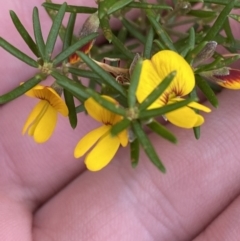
[[231, 81]]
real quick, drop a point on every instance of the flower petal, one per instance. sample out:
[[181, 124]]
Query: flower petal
[[198, 106], [102, 153], [99, 113], [230, 81], [193, 104], [167, 61], [34, 114], [123, 138], [148, 81], [31, 92], [49, 94], [184, 117], [46, 125], [89, 140]]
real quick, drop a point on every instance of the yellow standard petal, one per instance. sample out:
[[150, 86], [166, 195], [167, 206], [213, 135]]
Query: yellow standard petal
[[149, 79], [102, 153], [98, 112], [167, 61], [156, 69], [31, 93], [89, 140], [50, 95]]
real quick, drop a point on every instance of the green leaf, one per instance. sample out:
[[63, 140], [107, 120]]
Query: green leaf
[[202, 13], [146, 114], [162, 131], [21, 89], [17, 53], [84, 73], [147, 146], [77, 89], [103, 7], [216, 64], [121, 47], [207, 91], [73, 48], [70, 8], [115, 108], [120, 126], [133, 30], [118, 5], [80, 108], [218, 24], [134, 152], [69, 31], [190, 43], [148, 44], [148, 6], [197, 132], [134, 84], [53, 34], [160, 88], [166, 40], [38, 33], [223, 2], [23, 32], [228, 31], [106, 78], [71, 108], [122, 34], [235, 17]]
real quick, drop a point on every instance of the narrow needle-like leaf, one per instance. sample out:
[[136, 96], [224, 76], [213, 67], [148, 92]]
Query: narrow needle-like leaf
[[118, 5], [146, 114], [21, 89], [77, 89], [162, 131], [23, 32], [70, 8], [117, 109], [52, 37], [71, 108], [216, 27], [38, 33], [120, 126], [17, 53], [69, 31], [106, 78], [207, 90], [147, 146], [134, 84], [134, 152]]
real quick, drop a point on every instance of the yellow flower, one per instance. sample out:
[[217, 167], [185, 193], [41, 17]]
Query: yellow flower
[[154, 71], [105, 145], [43, 118], [230, 80]]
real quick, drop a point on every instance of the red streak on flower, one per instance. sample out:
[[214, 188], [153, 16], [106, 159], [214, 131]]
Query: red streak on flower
[[231, 81], [74, 58]]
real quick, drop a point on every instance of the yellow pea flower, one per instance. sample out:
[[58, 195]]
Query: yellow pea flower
[[43, 118], [230, 80], [154, 71], [104, 145]]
